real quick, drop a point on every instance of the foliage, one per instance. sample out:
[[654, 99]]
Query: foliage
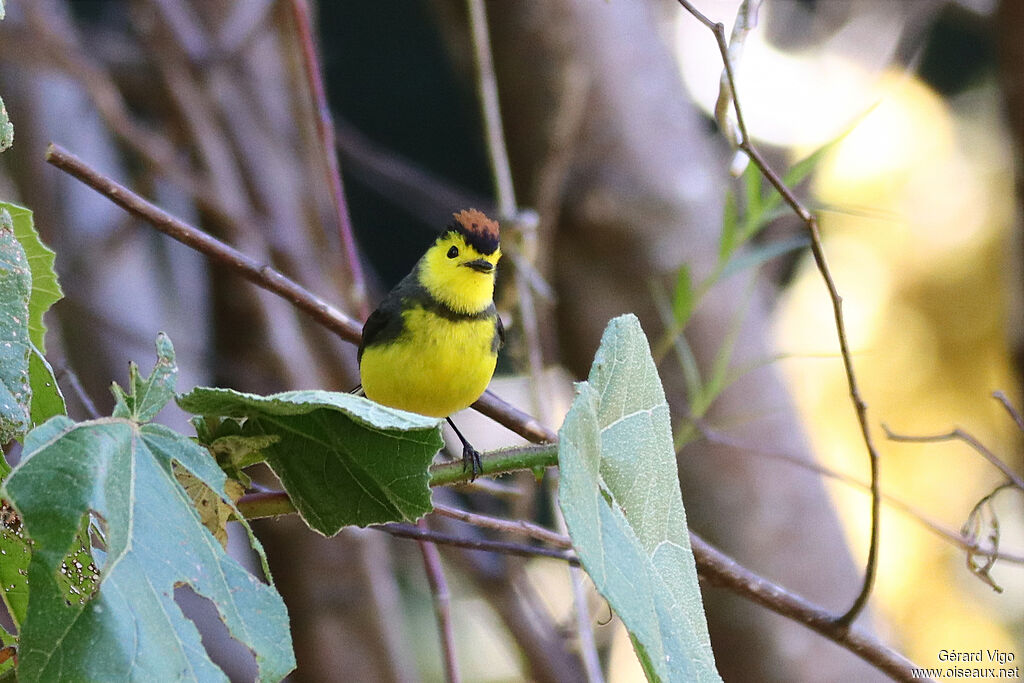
[[119, 470], [619, 492], [342, 458]]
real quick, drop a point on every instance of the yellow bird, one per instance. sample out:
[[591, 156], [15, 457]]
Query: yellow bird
[[431, 345]]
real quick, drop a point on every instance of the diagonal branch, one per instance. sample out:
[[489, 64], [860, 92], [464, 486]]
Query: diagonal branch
[[811, 223], [266, 277]]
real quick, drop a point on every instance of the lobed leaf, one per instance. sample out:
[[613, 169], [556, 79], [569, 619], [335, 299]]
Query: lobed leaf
[[619, 493], [121, 472]]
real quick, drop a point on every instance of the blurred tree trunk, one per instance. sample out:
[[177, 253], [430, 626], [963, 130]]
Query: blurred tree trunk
[[638, 188]]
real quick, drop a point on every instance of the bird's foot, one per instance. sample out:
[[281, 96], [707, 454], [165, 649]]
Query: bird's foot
[[471, 461]]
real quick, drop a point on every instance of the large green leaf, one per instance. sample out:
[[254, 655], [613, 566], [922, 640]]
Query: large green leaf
[[619, 492], [119, 471], [342, 458], [15, 346]]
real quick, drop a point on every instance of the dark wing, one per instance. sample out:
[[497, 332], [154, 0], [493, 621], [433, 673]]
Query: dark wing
[[499, 334], [385, 324]]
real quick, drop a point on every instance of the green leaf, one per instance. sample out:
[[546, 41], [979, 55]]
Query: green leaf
[[6, 129], [683, 297], [730, 223], [342, 458], [15, 290], [15, 553], [147, 396], [619, 492], [763, 253], [121, 472], [47, 399], [46, 290]]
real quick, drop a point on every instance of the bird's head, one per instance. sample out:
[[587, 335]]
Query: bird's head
[[459, 267]]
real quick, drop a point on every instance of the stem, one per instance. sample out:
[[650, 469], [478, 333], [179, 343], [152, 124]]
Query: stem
[[325, 129], [442, 604], [487, 89]]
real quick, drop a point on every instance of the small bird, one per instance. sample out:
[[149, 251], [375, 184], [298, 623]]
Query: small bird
[[431, 345]]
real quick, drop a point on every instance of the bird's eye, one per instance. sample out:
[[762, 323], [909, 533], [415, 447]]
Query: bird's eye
[[453, 252]]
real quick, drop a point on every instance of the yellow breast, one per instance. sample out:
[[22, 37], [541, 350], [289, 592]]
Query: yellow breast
[[436, 367]]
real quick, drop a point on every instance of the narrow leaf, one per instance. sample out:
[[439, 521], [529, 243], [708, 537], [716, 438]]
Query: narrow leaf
[[342, 458], [683, 297], [730, 224], [619, 492], [762, 253]]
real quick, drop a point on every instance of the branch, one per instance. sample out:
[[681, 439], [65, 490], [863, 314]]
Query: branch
[[811, 223], [442, 604], [325, 129], [266, 277], [721, 570], [504, 547], [967, 438], [487, 90]]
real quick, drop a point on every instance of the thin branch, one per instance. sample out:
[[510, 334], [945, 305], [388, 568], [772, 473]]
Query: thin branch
[[721, 570], [959, 540], [509, 526], [967, 438], [818, 251], [504, 547], [325, 129], [1016, 416], [266, 277], [442, 604], [487, 88]]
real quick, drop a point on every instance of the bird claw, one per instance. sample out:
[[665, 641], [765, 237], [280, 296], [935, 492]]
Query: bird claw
[[471, 460]]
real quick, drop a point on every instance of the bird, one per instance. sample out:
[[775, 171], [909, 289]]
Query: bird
[[431, 345]]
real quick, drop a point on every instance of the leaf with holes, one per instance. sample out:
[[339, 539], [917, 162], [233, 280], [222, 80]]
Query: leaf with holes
[[120, 470], [342, 458], [619, 492]]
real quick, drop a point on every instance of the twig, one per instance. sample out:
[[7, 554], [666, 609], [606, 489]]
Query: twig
[[442, 604], [487, 88], [266, 277], [504, 547], [811, 223], [957, 539], [722, 570], [1016, 416], [325, 128], [510, 526], [584, 629], [967, 438]]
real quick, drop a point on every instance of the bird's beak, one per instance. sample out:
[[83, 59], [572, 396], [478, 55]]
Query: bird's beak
[[480, 265]]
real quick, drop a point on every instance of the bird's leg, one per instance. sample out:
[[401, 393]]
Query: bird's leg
[[470, 455]]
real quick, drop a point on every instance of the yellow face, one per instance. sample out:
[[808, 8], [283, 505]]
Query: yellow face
[[458, 275]]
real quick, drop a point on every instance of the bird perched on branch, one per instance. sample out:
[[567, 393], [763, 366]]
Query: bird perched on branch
[[431, 345]]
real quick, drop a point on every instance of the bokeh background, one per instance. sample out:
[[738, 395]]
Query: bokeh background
[[621, 175]]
